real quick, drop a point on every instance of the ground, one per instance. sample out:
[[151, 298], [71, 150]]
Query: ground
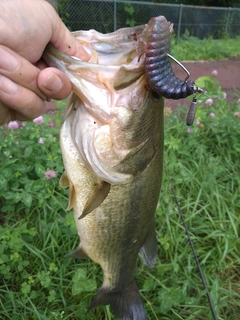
[[228, 76]]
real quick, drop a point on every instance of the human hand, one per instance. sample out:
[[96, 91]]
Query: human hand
[[26, 81]]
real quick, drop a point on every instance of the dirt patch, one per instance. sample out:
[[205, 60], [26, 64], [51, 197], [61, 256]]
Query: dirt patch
[[228, 76]]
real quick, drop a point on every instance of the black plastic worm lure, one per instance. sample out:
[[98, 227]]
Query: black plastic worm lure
[[160, 76]]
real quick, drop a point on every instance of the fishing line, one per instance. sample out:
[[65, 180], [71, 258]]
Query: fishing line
[[195, 255]]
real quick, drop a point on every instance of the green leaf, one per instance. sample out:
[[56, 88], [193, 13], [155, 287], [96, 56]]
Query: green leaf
[[3, 258], [129, 8], [53, 267], [44, 279], [25, 288], [52, 295], [170, 297], [81, 283], [3, 183], [200, 82], [27, 199], [39, 170], [149, 284], [7, 173], [28, 151], [22, 167], [130, 22]]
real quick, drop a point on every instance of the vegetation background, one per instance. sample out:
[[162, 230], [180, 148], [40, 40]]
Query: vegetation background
[[209, 3], [202, 19]]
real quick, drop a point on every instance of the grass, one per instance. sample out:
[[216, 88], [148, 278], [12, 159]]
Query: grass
[[193, 49], [37, 282], [206, 179]]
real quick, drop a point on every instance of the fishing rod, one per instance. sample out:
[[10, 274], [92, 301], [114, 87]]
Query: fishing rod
[[195, 255]]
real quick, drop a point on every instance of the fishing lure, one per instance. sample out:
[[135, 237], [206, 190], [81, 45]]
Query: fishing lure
[[160, 76]]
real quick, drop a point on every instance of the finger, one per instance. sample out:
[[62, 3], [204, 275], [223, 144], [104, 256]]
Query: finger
[[25, 103], [19, 70], [54, 83]]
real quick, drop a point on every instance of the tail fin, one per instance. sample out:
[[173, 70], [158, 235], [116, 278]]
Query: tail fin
[[125, 304]]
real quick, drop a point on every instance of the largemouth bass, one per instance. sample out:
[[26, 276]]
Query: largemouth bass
[[112, 147]]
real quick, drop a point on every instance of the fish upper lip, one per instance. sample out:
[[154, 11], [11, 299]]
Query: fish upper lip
[[77, 62]]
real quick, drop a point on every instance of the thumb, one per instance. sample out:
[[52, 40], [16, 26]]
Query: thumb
[[54, 83], [63, 40]]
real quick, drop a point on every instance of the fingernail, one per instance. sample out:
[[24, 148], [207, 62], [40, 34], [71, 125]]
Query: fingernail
[[7, 61], [8, 86], [53, 83]]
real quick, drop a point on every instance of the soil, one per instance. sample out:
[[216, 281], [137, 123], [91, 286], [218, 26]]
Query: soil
[[228, 77]]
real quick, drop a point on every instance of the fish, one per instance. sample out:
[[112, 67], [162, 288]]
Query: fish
[[112, 147]]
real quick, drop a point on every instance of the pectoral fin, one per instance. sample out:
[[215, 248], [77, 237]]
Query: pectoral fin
[[64, 183], [99, 193]]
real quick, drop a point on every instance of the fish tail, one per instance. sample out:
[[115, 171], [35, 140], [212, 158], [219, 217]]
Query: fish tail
[[125, 304]]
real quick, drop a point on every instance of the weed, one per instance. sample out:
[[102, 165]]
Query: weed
[[193, 49]]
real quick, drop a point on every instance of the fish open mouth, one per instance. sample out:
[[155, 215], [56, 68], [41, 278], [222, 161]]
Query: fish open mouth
[[119, 56], [112, 50]]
